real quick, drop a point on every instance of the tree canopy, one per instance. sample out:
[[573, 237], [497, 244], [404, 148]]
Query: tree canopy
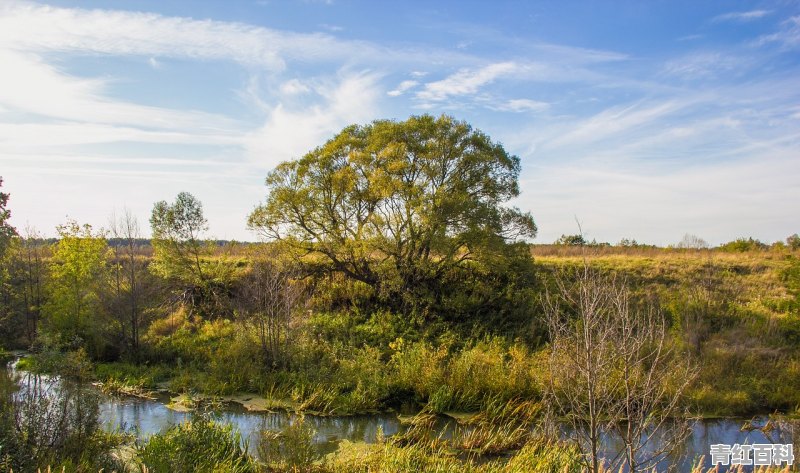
[[396, 203], [177, 230], [77, 272]]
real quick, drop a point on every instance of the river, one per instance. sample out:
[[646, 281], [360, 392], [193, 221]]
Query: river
[[145, 417]]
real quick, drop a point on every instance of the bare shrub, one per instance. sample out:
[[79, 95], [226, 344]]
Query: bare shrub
[[614, 371]]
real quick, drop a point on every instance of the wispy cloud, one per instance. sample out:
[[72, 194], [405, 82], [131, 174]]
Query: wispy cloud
[[29, 137], [741, 16], [402, 87], [705, 64], [614, 121], [465, 81], [32, 27], [332, 28], [521, 105], [690, 37], [294, 87], [30, 85], [788, 36], [593, 127]]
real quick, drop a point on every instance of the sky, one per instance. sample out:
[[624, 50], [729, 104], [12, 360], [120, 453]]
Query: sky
[[639, 120]]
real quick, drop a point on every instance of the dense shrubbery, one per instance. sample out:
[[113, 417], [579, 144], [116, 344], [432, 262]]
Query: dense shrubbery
[[202, 446]]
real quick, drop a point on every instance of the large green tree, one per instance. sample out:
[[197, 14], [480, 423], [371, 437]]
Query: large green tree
[[396, 205]]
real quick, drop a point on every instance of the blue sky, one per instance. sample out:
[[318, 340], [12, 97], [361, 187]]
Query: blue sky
[[643, 120]]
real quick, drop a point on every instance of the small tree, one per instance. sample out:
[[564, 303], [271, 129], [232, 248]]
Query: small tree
[[793, 242], [571, 240], [182, 256], [690, 241], [128, 277], [269, 297], [77, 272], [31, 255], [614, 371], [742, 245]]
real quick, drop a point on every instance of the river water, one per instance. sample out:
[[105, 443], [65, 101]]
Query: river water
[[145, 417]]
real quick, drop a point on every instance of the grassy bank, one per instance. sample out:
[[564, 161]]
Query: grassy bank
[[737, 313]]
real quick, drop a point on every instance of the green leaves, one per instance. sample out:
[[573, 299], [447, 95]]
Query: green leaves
[[76, 274], [184, 257], [182, 221], [396, 203]]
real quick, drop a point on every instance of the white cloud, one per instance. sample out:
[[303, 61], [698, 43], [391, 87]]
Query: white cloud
[[332, 28], [291, 132], [25, 137], [32, 27], [294, 87], [614, 121], [742, 16], [402, 87], [154, 63], [788, 36], [522, 105], [31, 86], [43, 28], [465, 81]]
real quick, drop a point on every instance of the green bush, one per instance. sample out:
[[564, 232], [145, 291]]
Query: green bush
[[743, 244], [200, 445]]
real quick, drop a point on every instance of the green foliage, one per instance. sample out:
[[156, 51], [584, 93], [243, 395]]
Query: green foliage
[[397, 205], [742, 245], [183, 257], [571, 240], [130, 374], [542, 455], [73, 313], [6, 230], [790, 276], [200, 445], [177, 239], [466, 380]]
